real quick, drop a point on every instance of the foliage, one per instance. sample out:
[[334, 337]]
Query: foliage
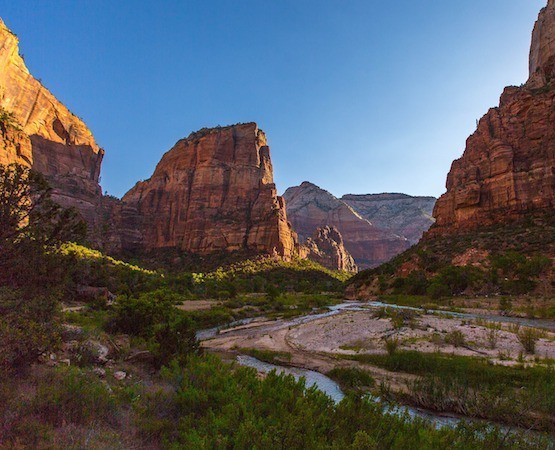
[[68, 395], [455, 338], [153, 316], [269, 356], [27, 212], [8, 121], [520, 261], [63, 407], [474, 387], [27, 328], [528, 338], [351, 379], [213, 406], [391, 345], [476, 371]]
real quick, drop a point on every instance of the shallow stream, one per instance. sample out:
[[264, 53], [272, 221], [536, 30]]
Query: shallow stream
[[330, 387]]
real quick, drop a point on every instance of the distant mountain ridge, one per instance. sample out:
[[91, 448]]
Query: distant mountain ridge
[[371, 225], [405, 215]]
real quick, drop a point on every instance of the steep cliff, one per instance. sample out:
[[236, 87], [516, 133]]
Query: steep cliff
[[326, 248], [495, 225], [39, 131], [404, 215], [507, 170], [212, 192], [310, 207]]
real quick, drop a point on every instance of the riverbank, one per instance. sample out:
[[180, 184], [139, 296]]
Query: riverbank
[[351, 333]]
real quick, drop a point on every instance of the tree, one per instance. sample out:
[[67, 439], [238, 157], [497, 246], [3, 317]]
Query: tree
[[31, 223], [27, 211]]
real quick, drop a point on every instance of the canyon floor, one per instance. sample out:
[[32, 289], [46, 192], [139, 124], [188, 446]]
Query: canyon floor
[[343, 336]]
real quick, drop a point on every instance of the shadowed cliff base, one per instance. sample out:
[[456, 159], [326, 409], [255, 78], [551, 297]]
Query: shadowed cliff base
[[511, 258]]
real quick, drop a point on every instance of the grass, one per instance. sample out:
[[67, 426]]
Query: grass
[[268, 356], [528, 338], [351, 379], [475, 371], [473, 387], [89, 319]]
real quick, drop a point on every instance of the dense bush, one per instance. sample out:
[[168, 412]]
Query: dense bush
[[153, 316], [520, 261], [474, 387], [27, 328], [351, 378], [69, 395], [213, 406]]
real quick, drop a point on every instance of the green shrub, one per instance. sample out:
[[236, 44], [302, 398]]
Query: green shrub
[[174, 339], [27, 329], [437, 290], [528, 338], [455, 338], [169, 332], [391, 345], [213, 406], [68, 395], [269, 356], [137, 315], [351, 378]]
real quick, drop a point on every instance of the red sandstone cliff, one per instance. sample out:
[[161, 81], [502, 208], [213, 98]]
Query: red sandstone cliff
[[326, 248], [507, 170], [212, 192], [45, 135], [310, 207]]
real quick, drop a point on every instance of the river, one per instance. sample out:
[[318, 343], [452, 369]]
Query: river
[[326, 384]]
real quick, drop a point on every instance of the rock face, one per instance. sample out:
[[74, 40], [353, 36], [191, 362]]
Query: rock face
[[404, 215], [38, 131], [508, 168], [326, 248], [212, 192], [310, 207]]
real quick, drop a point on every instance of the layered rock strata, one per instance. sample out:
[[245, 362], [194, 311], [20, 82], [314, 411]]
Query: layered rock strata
[[39, 131], [404, 215], [507, 170], [326, 248], [212, 192], [310, 207]]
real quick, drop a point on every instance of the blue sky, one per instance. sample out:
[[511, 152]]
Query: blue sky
[[357, 96]]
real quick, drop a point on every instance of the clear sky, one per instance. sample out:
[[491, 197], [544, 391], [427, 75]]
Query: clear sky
[[357, 96]]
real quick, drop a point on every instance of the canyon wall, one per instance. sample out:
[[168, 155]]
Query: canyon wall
[[507, 170], [310, 207], [212, 192], [38, 131], [326, 247], [405, 215]]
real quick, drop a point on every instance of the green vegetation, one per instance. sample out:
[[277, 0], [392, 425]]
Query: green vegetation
[[528, 337], [27, 328], [267, 355], [516, 259], [206, 403], [32, 278], [279, 412], [474, 387], [352, 379], [173, 396], [168, 332], [8, 121], [455, 338], [391, 345]]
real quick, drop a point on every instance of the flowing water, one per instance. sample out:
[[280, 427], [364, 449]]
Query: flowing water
[[330, 387]]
